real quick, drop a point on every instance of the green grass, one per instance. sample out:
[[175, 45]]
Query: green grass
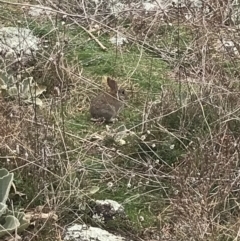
[[175, 37], [137, 203], [150, 75], [144, 70]]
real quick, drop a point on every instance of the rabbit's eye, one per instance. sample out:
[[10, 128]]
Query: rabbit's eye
[[122, 92]]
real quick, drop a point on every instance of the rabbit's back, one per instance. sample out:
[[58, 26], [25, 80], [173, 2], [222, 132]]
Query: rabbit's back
[[105, 106]]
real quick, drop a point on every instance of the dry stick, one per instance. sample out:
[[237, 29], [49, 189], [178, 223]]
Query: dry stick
[[91, 35]]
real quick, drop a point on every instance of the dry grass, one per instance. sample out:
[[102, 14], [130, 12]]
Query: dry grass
[[179, 169]]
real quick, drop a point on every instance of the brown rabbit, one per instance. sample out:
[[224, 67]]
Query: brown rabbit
[[106, 106]]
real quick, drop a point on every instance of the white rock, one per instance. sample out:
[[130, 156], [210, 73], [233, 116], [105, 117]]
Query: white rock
[[121, 142], [79, 232], [14, 40], [114, 205], [118, 40], [117, 7], [38, 10], [150, 6]]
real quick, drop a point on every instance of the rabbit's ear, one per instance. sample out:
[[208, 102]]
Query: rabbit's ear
[[112, 84]]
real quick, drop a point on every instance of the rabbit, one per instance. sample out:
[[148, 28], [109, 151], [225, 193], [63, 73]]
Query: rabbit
[[106, 106]]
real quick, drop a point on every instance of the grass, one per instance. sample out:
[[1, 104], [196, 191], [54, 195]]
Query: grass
[[178, 168]]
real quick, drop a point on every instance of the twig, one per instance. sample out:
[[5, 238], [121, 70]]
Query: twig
[[91, 35]]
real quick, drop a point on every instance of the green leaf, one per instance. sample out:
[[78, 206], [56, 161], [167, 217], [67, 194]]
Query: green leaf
[[3, 208], [10, 224], [25, 87], [13, 91], [37, 90], [23, 222], [5, 79], [36, 101], [6, 180], [9, 220], [2, 82], [92, 190], [3, 85]]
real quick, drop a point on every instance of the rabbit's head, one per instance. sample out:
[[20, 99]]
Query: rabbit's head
[[119, 93]]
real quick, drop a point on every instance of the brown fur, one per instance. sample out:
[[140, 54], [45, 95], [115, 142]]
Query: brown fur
[[106, 106]]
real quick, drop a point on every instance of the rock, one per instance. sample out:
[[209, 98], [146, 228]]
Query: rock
[[39, 10], [15, 42], [106, 210], [119, 39], [115, 206], [78, 232]]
